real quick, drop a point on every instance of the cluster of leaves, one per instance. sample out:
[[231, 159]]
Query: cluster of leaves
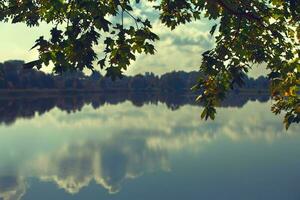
[[249, 32], [265, 32], [78, 26]]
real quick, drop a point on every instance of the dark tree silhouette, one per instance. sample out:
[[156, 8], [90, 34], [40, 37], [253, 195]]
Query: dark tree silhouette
[[16, 78]]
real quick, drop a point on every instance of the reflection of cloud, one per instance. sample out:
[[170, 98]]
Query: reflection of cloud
[[254, 121], [133, 141], [74, 166], [179, 142], [12, 187]]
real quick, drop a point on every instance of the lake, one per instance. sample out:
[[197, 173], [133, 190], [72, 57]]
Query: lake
[[75, 149]]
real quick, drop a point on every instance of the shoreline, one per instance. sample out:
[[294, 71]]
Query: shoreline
[[43, 93]]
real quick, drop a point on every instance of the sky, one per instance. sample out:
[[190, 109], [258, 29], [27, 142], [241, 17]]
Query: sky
[[179, 49]]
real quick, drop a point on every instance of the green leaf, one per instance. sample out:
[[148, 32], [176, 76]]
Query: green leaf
[[213, 29]]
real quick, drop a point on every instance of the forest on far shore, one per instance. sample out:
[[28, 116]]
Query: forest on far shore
[[14, 77]]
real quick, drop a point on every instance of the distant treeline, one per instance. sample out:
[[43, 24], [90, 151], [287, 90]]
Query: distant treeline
[[14, 77]]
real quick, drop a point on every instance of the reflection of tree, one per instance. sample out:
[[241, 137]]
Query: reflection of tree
[[16, 107]]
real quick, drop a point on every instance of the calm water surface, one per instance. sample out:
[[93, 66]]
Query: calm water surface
[[151, 152]]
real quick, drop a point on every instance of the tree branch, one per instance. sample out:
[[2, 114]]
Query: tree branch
[[247, 15]]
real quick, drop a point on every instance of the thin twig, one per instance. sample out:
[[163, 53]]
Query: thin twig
[[133, 17]]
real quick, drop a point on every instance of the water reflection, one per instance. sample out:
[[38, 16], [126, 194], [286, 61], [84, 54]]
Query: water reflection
[[20, 106], [120, 147], [74, 166], [12, 187]]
